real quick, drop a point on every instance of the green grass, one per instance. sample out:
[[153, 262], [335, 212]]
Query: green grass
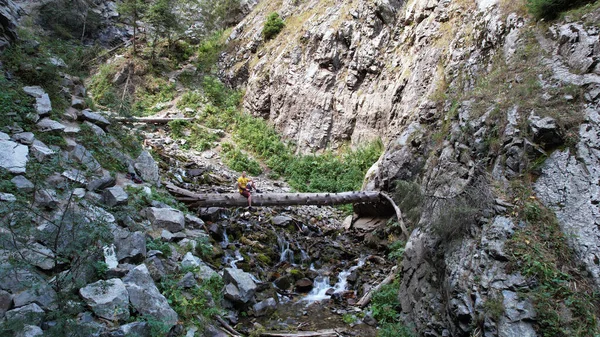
[[385, 308], [15, 104]]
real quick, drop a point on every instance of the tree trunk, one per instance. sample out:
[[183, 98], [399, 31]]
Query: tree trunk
[[151, 120], [378, 201], [274, 199]]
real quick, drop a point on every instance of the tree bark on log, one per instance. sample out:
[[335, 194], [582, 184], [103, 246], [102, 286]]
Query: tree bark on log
[[369, 295], [287, 199], [320, 333], [151, 120]]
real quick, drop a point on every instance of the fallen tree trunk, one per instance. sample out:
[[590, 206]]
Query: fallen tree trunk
[[382, 201], [320, 333], [151, 120], [369, 295]]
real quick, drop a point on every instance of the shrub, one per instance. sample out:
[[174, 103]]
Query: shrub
[[239, 161], [409, 199], [550, 9], [272, 26]]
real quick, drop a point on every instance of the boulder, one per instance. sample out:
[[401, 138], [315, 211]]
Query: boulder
[[77, 102], [188, 281], [95, 118], [43, 106], [130, 247], [31, 312], [101, 183], [169, 218], [264, 307], [190, 261], [25, 138], [96, 130], [13, 156], [545, 131], [146, 298], [193, 221], [22, 184], [75, 175], [147, 167], [138, 329], [46, 198], [108, 299], [39, 255], [85, 157], [114, 196], [304, 285], [242, 281], [5, 302], [48, 125], [42, 294], [30, 331], [7, 197], [41, 152], [281, 220]]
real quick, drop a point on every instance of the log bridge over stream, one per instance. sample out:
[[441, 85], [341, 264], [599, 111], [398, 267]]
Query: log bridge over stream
[[365, 203]]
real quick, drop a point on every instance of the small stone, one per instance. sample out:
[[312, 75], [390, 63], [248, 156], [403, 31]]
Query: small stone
[[75, 175], [13, 156], [95, 129], [41, 152]]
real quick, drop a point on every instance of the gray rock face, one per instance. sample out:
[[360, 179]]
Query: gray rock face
[[39, 256], [239, 285], [171, 219], [9, 16], [569, 186], [475, 272], [13, 156], [42, 295], [108, 299], [145, 297], [114, 196], [147, 167], [41, 152]]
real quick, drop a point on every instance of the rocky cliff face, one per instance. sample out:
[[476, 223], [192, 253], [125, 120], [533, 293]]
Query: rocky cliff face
[[9, 14], [470, 97], [355, 71]]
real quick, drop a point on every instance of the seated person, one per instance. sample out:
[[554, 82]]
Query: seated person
[[245, 185]]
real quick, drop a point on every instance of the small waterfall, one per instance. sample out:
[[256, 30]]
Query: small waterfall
[[286, 253], [225, 241], [321, 284], [110, 256]]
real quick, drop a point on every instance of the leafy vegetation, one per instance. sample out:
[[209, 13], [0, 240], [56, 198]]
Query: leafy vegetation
[[272, 26], [550, 9], [540, 252], [385, 308], [201, 301]]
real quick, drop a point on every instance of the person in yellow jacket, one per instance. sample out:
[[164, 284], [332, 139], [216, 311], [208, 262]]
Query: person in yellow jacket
[[245, 185]]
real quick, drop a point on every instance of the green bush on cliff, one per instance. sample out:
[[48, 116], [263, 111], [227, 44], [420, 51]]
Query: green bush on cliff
[[550, 9], [272, 26]]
